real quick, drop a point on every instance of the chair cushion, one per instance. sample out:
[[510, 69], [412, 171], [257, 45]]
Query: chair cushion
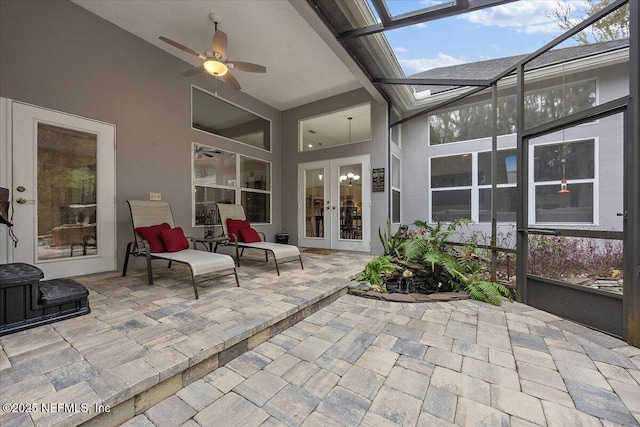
[[174, 239], [152, 235], [249, 235], [234, 226]]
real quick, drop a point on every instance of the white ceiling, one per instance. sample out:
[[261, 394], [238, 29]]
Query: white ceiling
[[304, 62]]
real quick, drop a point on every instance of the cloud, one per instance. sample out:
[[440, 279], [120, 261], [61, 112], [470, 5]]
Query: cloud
[[412, 66], [523, 16], [400, 49]]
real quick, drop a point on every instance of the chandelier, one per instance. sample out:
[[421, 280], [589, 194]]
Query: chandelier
[[350, 178]]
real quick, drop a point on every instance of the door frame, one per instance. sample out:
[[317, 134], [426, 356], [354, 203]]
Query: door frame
[[80, 264], [331, 223]]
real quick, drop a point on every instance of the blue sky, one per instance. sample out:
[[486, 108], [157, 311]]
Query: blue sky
[[511, 29]]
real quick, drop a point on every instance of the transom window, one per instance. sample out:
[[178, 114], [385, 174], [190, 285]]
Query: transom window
[[225, 177], [473, 120]]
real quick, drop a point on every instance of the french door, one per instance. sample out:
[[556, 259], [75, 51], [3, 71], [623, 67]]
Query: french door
[[334, 204], [63, 191]]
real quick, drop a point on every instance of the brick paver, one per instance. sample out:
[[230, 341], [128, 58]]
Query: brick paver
[[355, 362]]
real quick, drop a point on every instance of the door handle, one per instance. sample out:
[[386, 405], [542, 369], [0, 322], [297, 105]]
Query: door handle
[[22, 201]]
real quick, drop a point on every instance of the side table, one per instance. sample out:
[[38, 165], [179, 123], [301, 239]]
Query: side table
[[209, 242]]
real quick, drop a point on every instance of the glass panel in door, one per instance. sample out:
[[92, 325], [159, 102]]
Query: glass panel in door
[[66, 193], [314, 203], [350, 198]]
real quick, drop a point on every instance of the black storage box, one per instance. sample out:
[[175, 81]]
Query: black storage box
[[282, 238], [26, 302]]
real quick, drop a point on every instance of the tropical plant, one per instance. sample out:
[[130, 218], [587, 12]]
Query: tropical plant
[[391, 242], [491, 292], [430, 237], [375, 268]]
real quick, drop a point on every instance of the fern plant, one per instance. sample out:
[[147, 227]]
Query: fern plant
[[375, 268], [491, 292]]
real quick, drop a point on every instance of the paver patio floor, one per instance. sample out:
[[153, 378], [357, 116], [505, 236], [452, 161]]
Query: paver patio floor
[[353, 362], [360, 362]]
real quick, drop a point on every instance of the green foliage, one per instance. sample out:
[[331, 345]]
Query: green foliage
[[374, 270], [491, 292], [390, 242]]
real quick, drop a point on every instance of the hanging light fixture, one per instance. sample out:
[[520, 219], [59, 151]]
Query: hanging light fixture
[[215, 68], [350, 178], [349, 118], [563, 181]]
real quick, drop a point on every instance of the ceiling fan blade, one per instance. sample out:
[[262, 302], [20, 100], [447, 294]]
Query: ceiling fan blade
[[247, 66], [194, 71], [230, 80], [219, 43], [183, 47]]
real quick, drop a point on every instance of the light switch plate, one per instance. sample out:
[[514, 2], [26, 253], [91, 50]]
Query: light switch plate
[[155, 196]]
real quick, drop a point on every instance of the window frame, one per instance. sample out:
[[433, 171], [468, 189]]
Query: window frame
[[594, 181], [595, 79], [397, 189], [215, 95], [237, 188]]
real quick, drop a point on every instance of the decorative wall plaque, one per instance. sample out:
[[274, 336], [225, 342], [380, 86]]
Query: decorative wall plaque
[[378, 180]]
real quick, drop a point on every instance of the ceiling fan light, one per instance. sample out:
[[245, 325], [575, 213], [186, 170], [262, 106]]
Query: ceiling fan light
[[215, 68]]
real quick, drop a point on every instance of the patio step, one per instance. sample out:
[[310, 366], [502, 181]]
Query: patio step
[[138, 401]]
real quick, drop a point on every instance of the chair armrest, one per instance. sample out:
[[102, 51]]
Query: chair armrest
[[264, 237], [137, 250]]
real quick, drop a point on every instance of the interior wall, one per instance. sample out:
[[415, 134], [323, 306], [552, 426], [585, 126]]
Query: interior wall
[[57, 55], [377, 148]]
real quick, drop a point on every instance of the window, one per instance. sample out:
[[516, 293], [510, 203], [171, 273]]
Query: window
[[395, 190], [574, 161], [219, 117], [347, 126], [225, 177], [473, 121], [451, 180], [461, 187], [507, 194]]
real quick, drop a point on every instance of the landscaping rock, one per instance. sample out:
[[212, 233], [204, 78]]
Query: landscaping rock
[[448, 296], [398, 297]]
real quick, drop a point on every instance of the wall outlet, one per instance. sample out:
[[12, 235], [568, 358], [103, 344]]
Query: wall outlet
[[155, 196]]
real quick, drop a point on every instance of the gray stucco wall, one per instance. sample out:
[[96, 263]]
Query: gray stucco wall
[[58, 55], [612, 83], [377, 149]]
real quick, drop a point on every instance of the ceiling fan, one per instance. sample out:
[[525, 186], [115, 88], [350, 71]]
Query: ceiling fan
[[215, 58], [203, 150]]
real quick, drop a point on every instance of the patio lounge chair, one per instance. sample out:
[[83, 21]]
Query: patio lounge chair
[[281, 253], [154, 215]]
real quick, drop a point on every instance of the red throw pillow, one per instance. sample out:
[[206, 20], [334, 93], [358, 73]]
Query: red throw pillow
[[234, 226], [174, 239], [249, 235], [152, 235]]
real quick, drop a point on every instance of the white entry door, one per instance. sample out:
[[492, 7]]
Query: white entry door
[[334, 204], [63, 191]]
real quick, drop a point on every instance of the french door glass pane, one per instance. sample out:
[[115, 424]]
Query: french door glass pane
[[314, 202], [67, 186], [351, 202]]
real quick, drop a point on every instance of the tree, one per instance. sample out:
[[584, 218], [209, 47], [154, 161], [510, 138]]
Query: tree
[[614, 26]]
